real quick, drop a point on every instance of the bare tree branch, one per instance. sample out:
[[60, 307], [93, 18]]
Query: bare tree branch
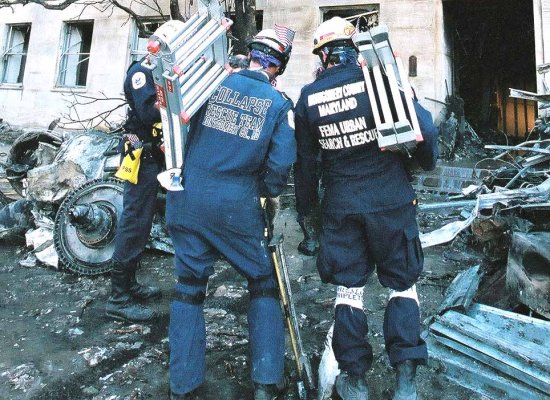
[[141, 27], [244, 27], [48, 4], [175, 10], [102, 119]]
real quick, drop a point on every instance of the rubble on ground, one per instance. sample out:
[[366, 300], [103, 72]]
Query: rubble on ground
[[489, 213], [488, 350]]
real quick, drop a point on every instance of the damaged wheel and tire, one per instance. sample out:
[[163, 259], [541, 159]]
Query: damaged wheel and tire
[[85, 226]]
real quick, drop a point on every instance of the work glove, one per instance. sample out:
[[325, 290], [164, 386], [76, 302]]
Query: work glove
[[310, 245], [272, 208]]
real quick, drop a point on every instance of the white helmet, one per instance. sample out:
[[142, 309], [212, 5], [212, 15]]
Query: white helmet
[[336, 31], [269, 43]]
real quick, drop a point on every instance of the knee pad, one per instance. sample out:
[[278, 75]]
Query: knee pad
[[263, 288], [352, 297], [190, 290], [410, 293]]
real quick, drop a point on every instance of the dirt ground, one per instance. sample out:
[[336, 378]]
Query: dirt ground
[[57, 343]]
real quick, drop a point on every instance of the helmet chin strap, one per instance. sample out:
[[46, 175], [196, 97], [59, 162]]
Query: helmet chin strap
[[326, 62]]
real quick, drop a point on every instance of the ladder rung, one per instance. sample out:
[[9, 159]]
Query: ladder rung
[[193, 108]]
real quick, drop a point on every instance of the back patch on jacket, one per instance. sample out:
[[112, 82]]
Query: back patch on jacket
[[231, 112]]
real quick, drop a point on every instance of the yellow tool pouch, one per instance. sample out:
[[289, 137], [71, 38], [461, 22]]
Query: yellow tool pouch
[[129, 168]]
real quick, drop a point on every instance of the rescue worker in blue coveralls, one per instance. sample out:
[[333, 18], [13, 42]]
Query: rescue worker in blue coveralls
[[240, 146], [368, 213], [139, 200]]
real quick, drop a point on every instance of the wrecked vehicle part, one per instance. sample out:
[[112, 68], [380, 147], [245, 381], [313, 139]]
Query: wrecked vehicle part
[[41, 240], [45, 166], [159, 238], [81, 158], [85, 226], [446, 233], [522, 147], [526, 162], [15, 219], [25, 155], [447, 137], [538, 214], [533, 194], [461, 291], [528, 270], [488, 229], [446, 204]]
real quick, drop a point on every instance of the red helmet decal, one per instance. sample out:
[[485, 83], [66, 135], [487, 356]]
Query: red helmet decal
[[326, 35]]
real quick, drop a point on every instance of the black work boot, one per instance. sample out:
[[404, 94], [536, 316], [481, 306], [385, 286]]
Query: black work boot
[[193, 395], [139, 291], [174, 396], [405, 388], [350, 387], [121, 305], [269, 392]]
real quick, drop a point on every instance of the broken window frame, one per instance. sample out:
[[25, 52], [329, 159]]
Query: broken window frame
[[138, 44], [353, 13], [77, 42], [14, 56]]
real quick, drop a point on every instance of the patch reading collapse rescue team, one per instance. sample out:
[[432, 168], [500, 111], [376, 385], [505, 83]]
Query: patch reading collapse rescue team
[[343, 134], [247, 124]]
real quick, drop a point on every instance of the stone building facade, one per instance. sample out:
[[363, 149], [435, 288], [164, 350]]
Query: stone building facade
[[78, 54]]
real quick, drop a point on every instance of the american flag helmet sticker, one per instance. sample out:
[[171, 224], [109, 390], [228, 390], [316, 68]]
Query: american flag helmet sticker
[[284, 34]]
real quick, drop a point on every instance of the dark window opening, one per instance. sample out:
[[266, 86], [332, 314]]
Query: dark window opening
[[366, 16], [492, 50], [138, 45], [75, 56]]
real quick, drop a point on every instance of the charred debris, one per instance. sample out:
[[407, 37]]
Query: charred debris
[[488, 202], [494, 199]]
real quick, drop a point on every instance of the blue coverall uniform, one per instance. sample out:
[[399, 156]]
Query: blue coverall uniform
[[241, 146], [368, 210], [139, 200]]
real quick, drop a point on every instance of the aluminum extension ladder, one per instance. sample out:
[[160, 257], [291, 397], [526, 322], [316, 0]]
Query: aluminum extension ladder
[[397, 124], [187, 60]]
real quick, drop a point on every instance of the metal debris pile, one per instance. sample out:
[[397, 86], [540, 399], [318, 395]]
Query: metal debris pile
[[501, 206], [47, 173], [486, 349], [494, 212]]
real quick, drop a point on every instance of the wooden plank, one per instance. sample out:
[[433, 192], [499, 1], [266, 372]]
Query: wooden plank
[[478, 377], [531, 329], [461, 291], [524, 94]]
